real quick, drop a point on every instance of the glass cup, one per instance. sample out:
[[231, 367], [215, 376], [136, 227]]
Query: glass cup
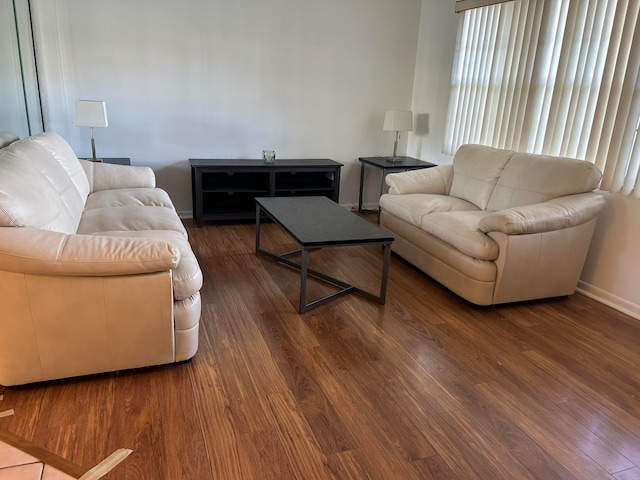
[[268, 156]]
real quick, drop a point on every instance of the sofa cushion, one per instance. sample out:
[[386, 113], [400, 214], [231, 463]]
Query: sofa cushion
[[128, 197], [20, 184], [411, 207], [108, 176], [476, 169], [462, 231], [66, 157], [530, 178], [35, 190], [425, 180], [132, 218], [555, 214], [187, 276]]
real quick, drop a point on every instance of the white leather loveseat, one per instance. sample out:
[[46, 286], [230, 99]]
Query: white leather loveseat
[[96, 272], [496, 226]]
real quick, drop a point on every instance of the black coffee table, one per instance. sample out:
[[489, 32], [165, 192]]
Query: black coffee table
[[317, 222]]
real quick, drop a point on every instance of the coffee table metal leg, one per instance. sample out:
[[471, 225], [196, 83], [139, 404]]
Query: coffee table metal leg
[[304, 263], [257, 228], [305, 272], [345, 288]]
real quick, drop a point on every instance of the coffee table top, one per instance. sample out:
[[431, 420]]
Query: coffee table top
[[319, 221]]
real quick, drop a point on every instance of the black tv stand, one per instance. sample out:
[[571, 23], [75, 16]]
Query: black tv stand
[[224, 190]]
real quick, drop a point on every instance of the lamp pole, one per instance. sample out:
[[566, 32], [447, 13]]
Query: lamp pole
[[93, 146]]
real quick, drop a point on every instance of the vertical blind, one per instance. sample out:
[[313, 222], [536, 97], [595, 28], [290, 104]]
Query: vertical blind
[[558, 77], [462, 5]]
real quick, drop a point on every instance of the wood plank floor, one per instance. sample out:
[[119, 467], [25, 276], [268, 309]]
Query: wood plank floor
[[424, 387]]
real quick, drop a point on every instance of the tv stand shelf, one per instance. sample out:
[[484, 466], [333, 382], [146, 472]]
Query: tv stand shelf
[[226, 189]]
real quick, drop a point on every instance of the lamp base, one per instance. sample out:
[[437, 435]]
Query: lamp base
[[394, 159]]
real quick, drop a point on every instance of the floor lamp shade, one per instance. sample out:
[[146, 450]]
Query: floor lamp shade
[[93, 114], [397, 121]]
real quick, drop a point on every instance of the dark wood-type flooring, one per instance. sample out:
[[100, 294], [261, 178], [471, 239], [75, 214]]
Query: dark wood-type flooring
[[424, 387]]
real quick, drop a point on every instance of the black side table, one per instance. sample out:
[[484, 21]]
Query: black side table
[[400, 164], [117, 161], [114, 160]]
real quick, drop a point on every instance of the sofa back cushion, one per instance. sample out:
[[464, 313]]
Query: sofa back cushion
[[66, 157], [476, 169], [530, 178], [36, 191]]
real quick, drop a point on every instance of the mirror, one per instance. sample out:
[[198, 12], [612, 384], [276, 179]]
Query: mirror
[[20, 109]]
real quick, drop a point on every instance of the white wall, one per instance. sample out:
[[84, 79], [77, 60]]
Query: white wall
[[612, 271], [226, 79], [432, 82]]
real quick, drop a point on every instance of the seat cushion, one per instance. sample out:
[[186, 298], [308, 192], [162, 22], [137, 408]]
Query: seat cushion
[[476, 170], [129, 197], [411, 207], [131, 218], [187, 276], [462, 231]]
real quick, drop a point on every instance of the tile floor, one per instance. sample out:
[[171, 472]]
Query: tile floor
[[18, 465], [20, 460]]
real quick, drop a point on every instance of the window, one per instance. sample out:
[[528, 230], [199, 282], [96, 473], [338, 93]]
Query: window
[[557, 77]]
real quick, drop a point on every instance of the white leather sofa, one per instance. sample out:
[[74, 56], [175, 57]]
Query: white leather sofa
[[96, 271], [496, 226]]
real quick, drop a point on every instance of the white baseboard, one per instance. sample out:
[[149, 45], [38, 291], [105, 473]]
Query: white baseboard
[[609, 299]]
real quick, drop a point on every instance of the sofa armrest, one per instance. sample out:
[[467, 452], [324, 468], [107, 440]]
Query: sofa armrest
[[107, 176], [555, 214], [435, 180], [43, 252], [7, 138]]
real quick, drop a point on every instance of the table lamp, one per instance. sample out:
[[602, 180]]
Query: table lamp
[[398, 121], [91, 113]]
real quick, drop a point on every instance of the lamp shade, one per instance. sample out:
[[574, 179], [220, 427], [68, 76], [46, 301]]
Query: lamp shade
[[91, 113], [398, 120]]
